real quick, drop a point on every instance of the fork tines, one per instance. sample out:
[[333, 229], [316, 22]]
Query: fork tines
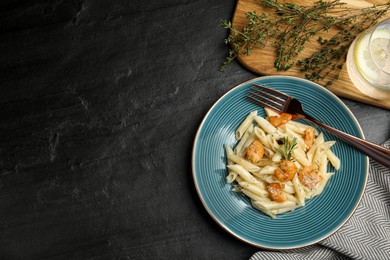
[[268, 97]]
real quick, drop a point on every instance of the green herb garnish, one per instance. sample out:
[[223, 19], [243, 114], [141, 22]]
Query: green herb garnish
[[287, 148]]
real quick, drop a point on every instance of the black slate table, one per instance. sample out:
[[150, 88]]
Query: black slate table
[[100, 102]]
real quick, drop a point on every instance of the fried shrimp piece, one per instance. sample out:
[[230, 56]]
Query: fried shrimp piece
[[286, 171], [280, 120], [309, 137], [276, 192], [309, 176], [255, 151]]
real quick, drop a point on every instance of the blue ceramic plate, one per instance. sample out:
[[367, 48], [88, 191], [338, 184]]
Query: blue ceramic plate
[[322, 215]]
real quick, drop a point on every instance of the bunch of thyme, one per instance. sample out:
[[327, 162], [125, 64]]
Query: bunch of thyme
[[290, 27]]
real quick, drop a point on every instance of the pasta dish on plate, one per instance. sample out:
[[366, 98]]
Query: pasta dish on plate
[[279, 163]]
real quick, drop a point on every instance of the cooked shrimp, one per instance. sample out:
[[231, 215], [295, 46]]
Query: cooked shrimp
[[309, 137], [309, 176], [286, 171], [255, 151], [276, 192], [280, 120]]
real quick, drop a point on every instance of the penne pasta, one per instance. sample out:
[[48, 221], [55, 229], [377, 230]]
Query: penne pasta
[[279, 167], [322, 184], [299, 125], [244, 174], [250, 167], [243, 140], [248, 141], [318, 141], [268, 170], [264, 162], [299, 191], [268, 178], [334, 160], [268, 127], [264, 210], [292, 198], [262, 136], [273, 142], [274, 205], [289, 188], [255, 189], [245, 124], [269, 112], [231, 177], [276, 157], [323, 165], [321, 149], [284, 210], [252, 195], [229, 151], [300, 156], [295, 128]]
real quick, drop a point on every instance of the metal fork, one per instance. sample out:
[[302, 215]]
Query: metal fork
[[283, 103]]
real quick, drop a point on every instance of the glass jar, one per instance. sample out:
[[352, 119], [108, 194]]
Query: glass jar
[[368, 61]]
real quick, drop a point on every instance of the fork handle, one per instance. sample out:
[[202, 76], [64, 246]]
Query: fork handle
[[376, 152]]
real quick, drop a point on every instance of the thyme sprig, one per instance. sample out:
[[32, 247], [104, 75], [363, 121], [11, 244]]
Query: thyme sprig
[[290, 27], [287, 148]]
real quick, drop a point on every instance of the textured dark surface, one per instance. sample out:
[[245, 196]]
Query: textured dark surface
[[100, 102]]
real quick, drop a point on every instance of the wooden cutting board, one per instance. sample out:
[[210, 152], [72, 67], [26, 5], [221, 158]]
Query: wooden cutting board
[[261, 61]]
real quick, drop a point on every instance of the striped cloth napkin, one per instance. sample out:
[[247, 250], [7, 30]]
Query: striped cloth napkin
[[366, 235]]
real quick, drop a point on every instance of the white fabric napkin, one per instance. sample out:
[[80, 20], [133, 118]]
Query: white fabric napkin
[[366, 235]]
